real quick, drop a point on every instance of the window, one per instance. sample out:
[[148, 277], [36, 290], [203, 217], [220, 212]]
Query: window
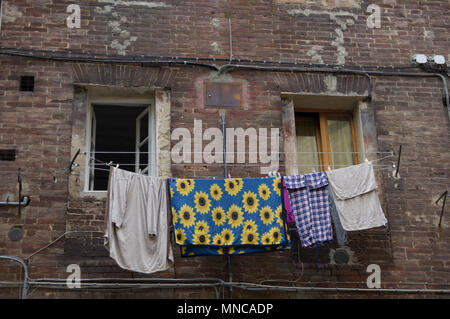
[[122, 134], [325, 139]]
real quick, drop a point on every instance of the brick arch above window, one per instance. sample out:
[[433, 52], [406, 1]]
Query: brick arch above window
[[123, 75], [321, 83]]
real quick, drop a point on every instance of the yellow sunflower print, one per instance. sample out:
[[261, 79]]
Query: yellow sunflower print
[[228, 236], [202, 202], [216, 191], [278, 216], [186, 215], [174, 216], [191, 183], [180, 236], [264, 191], [201, 238], [250, 225], [275, 234], [267, 215], [277, 186], [235, 216], [171, 192], [218, 240], [266, 239], [202, 226], [239, 183], [185, 186], [218, 215], [250, 202], [249, 238], [233, 186]]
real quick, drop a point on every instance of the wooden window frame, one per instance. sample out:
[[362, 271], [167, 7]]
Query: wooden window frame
[[323, 139]]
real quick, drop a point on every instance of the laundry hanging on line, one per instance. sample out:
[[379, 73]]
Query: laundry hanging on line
[[355, 195], [228, 216], [137, 234], [309, 200]]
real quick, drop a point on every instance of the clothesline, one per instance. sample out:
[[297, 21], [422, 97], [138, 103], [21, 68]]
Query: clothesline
[[228, 164], [227, 152], [376, 168]]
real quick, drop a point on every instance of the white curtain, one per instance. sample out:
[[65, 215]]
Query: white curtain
[[340, 132], [307, 156]]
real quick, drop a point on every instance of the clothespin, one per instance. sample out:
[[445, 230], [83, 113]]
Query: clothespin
[[314, 170], [140, 170], [110, 163], [279, 175], [171, 177], [329, 168], [366, 160], [229, 177]]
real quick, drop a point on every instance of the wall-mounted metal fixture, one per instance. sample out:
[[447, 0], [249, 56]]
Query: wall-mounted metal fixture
[[26, 199], [341, 256], [395, 173], [24, 203], [15, 233], [73, 160], [444, 195], [223, 94]]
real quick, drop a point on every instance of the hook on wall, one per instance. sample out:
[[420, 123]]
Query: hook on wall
[[395, 172]]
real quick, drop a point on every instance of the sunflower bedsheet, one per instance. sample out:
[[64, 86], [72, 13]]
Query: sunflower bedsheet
[[228, 216]]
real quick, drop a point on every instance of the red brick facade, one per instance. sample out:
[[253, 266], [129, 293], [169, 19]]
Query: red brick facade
[[412, 253]]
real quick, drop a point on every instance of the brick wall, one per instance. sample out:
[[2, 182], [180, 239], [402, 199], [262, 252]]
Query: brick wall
[[407, 110]]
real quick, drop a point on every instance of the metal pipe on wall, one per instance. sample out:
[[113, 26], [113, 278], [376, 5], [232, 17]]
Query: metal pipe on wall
[[24, 203], [25, 284]]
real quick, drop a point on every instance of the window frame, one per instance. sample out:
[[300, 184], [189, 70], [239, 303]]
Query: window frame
[[152, 158], [324, 147]]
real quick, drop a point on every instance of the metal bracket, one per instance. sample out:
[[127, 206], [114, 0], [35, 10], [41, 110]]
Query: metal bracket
[[73, 160], [395, 173], [443, 195]]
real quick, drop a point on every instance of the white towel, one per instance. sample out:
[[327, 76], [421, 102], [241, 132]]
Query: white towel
[[355, 193]]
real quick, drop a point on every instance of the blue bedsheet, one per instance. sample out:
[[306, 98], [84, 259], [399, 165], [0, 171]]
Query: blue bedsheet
[[228, 216]]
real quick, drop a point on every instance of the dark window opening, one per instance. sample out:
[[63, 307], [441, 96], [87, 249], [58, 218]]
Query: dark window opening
[[27, 83], [7, 155], [114, 130]]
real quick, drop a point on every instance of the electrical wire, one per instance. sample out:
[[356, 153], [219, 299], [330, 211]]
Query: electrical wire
[[323, 68], [139, 58]]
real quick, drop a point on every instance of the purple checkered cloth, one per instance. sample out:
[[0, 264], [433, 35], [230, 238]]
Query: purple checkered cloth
[[309, 201]]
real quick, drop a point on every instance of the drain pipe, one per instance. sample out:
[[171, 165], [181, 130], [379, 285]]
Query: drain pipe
[[225, 173]]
